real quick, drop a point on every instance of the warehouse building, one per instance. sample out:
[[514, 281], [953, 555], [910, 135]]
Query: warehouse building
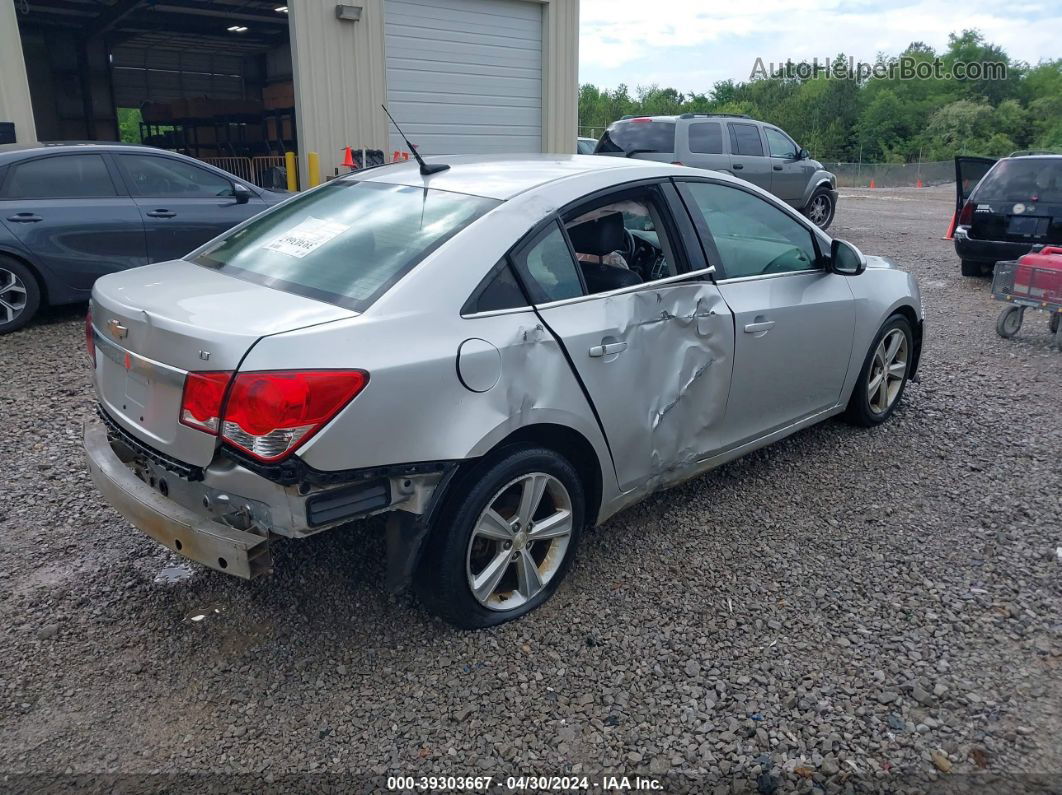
[[241, 82]]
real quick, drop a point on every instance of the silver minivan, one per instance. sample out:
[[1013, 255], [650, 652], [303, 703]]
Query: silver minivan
[[751, 150]]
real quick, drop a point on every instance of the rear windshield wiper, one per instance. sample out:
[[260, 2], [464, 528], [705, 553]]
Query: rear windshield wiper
[[634, 152]]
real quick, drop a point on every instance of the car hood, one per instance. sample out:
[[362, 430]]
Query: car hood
[[881, 262]]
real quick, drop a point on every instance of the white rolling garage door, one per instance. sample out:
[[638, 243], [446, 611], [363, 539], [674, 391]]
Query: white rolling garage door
[[465, 76]]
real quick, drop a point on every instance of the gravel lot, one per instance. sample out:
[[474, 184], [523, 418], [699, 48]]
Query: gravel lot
[[864, 609]]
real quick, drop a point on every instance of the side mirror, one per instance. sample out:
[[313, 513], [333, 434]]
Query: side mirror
[[241, 193], [846, 259], [803, 154]]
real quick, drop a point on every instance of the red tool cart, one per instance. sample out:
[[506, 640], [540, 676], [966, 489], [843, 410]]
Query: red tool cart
[[1033, 281]]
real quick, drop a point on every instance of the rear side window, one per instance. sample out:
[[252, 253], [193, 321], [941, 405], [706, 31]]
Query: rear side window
[[498, 291], [548, 267], [1023, 180], [345, 243], [638, 135], [59, 177], [745, 139], [706, 138]]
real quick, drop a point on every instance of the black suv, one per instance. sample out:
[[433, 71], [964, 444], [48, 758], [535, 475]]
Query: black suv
[[1005, 207]]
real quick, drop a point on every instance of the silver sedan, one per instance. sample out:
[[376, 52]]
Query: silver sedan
[[496, 355]]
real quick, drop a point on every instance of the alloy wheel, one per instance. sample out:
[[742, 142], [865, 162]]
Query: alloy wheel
[[887, 371], [519, 541], [12, 296], [819, 211]]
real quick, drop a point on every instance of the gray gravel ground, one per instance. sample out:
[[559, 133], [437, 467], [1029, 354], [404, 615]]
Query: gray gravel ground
[[847, 609]]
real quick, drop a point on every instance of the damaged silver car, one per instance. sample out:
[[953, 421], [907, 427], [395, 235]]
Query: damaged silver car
[[496, 355]]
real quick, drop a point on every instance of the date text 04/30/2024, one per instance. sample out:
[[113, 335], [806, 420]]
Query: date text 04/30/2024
[[523, 783]]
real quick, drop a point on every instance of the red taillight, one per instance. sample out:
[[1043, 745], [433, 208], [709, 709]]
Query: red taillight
[[90, 338], [201, 403], [966, 216], [269, 414]]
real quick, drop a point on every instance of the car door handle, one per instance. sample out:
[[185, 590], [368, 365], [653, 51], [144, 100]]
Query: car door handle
[[597, 351], [161, 214], [777, 168], [24, 218], [759, 326], [738, 166]]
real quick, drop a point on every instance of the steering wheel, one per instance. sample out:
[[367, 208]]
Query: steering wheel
[[632, 246]]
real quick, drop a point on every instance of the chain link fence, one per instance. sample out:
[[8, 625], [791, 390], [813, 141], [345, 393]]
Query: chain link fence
[[892, 175]]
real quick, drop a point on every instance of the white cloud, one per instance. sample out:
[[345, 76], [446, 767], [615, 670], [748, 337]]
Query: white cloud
[[620, 38]]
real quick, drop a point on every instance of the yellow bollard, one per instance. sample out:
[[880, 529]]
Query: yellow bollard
[[293, 177], [313, 165]]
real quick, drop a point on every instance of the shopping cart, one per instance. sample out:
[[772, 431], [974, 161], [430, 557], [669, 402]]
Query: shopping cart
[[1033, 281]]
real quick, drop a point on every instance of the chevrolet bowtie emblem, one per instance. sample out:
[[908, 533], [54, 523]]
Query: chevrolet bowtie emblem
[[117, 330]]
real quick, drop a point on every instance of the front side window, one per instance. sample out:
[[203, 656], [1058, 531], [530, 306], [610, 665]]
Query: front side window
[[745, 139], [706, 138], [780, 144], [345, 243], [754, 238], [60, 177], [548, 268], [166, 178]]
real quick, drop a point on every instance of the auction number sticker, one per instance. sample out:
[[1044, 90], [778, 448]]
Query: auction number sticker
[[305, 237]]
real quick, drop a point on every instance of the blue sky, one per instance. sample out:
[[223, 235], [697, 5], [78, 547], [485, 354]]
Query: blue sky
[[691, 44]]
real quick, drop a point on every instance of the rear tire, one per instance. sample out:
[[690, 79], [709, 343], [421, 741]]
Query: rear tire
[[1009, 321], [20, 294], [971, 268], [872, 403], [1054, 323], [482, 529]]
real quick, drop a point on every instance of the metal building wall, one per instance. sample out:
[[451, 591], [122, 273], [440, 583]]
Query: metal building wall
[[340, 78], [15, 103]]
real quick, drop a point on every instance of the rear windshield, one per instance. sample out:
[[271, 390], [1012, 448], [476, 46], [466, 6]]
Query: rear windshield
[[345, 243], [638, 136], [1025, 179]]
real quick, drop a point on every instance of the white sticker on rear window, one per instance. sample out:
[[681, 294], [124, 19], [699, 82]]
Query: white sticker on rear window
[[305, 237]]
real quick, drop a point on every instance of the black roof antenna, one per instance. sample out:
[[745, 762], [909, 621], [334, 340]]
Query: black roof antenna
[[425, 169]]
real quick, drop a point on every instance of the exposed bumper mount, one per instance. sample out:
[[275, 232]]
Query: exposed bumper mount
[[211, 543]]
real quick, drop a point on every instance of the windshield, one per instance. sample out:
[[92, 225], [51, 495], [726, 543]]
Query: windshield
[[1025, 179], [638, 135], [345, 243]]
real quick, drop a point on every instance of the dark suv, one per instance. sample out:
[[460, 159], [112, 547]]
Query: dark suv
[[70, 213], [752, 150], [1005, 207]]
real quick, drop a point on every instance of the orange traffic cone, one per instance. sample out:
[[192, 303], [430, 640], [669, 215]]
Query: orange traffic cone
[[951, 227], [919, 184], [396, 156], [348, 159], [872, 185]]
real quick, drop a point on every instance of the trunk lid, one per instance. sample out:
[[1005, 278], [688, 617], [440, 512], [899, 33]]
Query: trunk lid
[[154, 324]]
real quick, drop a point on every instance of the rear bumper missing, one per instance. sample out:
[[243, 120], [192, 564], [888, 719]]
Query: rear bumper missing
[[211, 543]]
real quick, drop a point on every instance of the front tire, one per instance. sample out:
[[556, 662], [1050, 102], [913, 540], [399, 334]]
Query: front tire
[[20, 295], [820, 209], [504, 539], [884, 375]]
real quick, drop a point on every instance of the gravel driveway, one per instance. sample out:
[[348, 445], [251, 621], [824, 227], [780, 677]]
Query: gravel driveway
[[873, 609]]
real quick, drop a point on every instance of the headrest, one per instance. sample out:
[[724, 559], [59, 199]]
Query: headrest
[[599, 237]]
